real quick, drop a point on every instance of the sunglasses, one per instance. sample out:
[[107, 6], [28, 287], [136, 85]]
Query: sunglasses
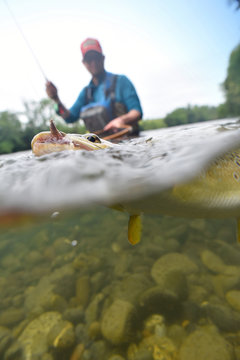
[[92, 56]]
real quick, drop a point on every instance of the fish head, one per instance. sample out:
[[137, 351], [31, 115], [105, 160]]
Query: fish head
[[54, 141]]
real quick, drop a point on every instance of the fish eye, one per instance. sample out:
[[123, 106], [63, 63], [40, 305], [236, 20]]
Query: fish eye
[[93, 138]]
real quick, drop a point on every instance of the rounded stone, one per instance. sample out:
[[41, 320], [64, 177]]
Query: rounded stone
[[225, 318], [77, 352], [5, 339], [33, 339], [11, 317], [205, 343], [173, 262], [94, 330], [62, 335], [213, 262], [233, 298], [116, 357], [83, 290], [116, 322]]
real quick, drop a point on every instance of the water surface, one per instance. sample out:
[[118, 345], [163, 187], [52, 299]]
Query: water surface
[[72, 287]]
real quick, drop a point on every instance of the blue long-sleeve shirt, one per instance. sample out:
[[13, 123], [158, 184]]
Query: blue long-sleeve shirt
[[125, 93]]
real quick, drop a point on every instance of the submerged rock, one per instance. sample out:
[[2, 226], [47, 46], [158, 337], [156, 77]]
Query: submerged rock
[[222, 316], [74, 315], [213, 262], [34, 338], [83, 290], [50, 292], [154, 325], [11, 317], [131, 287], [153, 347], [233, 298], [116, 357], [165, 299], [5, 339], [206, 343], [173, 262], [62, 335], [117, 322], [77, 352]]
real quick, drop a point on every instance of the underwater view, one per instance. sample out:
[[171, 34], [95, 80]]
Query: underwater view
[[72, 287]]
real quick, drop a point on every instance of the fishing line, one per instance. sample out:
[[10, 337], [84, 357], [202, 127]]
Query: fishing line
[[26, 41]]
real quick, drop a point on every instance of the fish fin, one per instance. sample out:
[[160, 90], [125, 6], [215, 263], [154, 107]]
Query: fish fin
[[134, 229], [238, 230], [118, 207]]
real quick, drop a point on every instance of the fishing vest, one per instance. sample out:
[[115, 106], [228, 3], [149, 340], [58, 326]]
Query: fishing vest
[[97, 114]]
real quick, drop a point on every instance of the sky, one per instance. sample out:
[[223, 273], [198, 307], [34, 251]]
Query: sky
[[175, 52]]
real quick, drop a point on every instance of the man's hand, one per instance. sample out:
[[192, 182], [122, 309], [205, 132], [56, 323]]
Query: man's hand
[[51, 91], [115, 125], [123, 121]]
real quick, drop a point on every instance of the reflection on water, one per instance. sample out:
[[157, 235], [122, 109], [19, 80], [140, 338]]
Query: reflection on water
[[72, 287]]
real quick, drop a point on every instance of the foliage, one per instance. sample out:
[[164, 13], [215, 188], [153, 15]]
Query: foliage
[[10, 133], [231, 84], [16, 135], [191, 115], [152, 124], [237, 2], [39, 113]]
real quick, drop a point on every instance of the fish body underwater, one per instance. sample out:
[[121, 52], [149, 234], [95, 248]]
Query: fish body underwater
[[214, 192]]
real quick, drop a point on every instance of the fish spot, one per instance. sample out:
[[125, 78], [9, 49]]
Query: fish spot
[[236, 176], [237, 162]]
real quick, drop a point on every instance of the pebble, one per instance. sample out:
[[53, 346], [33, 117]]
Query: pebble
[[74, 315], [116, 357], [206, 343], [62, 335], [94, 330], [83, 290], [233, 298], [77, 352], [172, 262], [116, 322], [5, 339], [212, 262], [11, 316], [222, 316], [33, 339]]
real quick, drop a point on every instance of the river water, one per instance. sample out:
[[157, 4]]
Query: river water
[[72, 287]]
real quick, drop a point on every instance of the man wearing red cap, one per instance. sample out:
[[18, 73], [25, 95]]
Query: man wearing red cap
[[108, 102]]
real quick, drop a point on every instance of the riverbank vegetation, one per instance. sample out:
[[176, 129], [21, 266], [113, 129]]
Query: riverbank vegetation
[[16, 135]]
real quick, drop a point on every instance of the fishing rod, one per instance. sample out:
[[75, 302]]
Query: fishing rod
[[25, 39]]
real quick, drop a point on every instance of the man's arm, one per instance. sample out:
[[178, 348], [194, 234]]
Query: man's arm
[[52, 92]]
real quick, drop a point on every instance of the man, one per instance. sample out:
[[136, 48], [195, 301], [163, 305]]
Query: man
[[108, 102]]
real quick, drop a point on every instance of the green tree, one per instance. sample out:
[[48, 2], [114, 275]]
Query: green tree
[[152, 124], [176, 117], [231, 84], [39, 113], [237, 2], [11, 137], [191, 114]]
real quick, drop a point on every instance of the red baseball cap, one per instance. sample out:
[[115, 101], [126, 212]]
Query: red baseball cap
[[90, 44]]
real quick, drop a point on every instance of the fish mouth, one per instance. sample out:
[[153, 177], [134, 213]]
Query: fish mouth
[[55, 141]]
